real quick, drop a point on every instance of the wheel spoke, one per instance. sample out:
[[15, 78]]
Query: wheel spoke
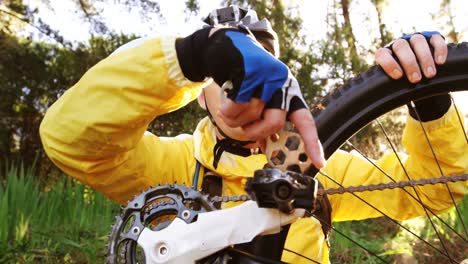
[[349, 238], [386, 216], [440, 168], [414, 188], [406, 191]]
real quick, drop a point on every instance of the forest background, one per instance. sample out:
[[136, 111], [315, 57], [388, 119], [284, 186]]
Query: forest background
[[47, 45]]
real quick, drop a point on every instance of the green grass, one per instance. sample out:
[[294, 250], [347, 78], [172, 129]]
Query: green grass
[[395, 245], [64, 223], [67, 222]]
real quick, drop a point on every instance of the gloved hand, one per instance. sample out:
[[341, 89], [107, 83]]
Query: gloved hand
[[416, 53], [264, 93], [430, 108], [411, 54], [426, 34], [233, 55]]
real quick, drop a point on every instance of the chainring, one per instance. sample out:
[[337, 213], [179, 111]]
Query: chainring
[[154, 209]]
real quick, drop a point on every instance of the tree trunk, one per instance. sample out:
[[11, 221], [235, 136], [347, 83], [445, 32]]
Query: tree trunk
[[349, 36], [445, 10], [385, 36]]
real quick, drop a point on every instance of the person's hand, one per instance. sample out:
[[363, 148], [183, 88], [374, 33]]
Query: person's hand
[[414, 55], [263, 91], [268, 121]]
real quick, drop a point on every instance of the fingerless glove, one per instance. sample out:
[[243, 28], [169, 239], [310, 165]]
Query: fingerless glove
[[430, 108]]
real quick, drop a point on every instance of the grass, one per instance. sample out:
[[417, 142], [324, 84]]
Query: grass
[[396, 245], [64, 223], [67, 222]]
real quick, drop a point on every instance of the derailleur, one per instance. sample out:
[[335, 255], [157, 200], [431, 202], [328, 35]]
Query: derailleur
[[286, 191]]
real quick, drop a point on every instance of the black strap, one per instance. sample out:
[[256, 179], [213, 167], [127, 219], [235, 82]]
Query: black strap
[[196, 175], [212, 184], [231, 146], [430, 108], [227, 144]]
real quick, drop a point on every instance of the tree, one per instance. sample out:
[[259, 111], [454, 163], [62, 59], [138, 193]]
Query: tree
[[385, 35], [32, 76], [340, 53], [347, 28], [16, 16], [336, 54], [446, 12]]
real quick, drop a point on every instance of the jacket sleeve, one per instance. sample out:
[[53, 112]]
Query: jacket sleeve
[[451, 149], [95, 132]]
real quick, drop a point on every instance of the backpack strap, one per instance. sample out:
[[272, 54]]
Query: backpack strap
[[196, 175], [212, 184]]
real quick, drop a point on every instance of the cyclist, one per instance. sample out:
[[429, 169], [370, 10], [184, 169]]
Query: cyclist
[[96, 131]]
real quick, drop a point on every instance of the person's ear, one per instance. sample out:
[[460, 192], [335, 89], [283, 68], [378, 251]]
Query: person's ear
[[201, 100]]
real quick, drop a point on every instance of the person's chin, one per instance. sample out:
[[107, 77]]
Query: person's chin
[[238, 135]]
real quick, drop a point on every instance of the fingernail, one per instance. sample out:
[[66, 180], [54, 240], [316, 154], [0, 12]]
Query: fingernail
[[396, 74], [415, 77], [323, 162], [320, 163], [430, 71], [440, 59], [275, 137]]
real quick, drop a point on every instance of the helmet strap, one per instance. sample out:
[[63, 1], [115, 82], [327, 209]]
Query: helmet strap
[[246, 30], [227, 144]]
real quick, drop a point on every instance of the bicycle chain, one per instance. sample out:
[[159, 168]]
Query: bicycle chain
[[234, 198], [360, 188]]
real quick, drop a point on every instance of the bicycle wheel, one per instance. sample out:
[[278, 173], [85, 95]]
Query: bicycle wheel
[[349, 108]]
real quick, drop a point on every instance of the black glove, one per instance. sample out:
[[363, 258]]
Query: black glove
[[430, 108], [233, 55]]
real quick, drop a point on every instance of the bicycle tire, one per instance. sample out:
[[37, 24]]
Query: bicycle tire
[[348, 108], [345, 110]]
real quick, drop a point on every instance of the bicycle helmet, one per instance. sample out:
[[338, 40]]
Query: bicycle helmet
[[247, 18]]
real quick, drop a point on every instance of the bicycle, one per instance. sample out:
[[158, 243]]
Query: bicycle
[[339, 115]]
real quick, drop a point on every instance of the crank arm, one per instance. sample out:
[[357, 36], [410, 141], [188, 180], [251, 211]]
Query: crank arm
[[185, 243]]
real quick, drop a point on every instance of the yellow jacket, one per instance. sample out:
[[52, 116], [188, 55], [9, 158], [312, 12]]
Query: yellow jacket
[[96, 132]]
